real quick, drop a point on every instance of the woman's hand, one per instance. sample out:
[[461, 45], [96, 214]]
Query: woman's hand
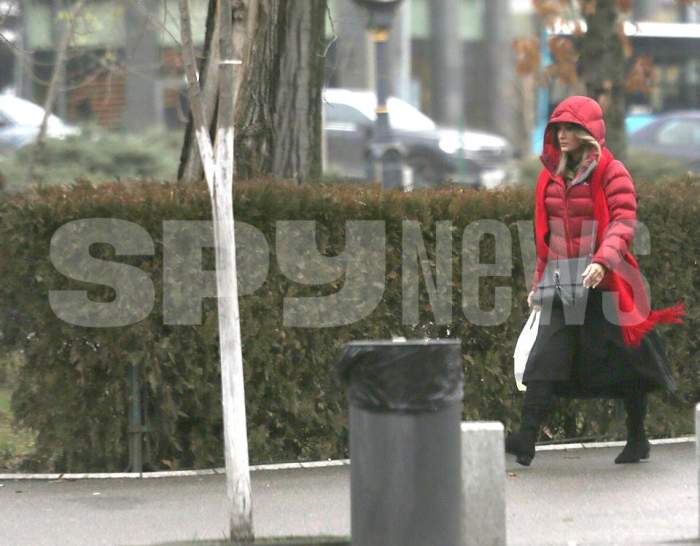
[[529, 301], [593, 274]]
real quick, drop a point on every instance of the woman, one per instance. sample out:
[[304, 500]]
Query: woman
[[585, 203]]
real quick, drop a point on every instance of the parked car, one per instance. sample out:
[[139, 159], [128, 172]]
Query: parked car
[[673, 134], [20, 121], [436, 154]]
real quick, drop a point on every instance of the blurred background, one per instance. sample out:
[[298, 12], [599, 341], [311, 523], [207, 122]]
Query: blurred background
[[473, 83]]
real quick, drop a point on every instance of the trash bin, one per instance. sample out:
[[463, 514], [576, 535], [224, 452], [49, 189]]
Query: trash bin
[[405, 404]]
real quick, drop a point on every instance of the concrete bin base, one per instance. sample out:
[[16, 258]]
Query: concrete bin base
[[399, 496], [484, 484]]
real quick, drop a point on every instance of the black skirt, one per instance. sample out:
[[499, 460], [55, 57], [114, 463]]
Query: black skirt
[[586, 356]]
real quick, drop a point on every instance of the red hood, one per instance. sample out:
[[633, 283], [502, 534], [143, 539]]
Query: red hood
[[583, 111]]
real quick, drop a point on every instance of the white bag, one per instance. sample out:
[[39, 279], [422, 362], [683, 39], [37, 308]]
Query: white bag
[[524, 345]]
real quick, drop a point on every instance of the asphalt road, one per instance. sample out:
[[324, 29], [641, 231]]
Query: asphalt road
[[571, 497]]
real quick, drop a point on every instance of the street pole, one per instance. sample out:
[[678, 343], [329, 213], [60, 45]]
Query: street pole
[[383, 138], [384, 150], [447, 53], [497, 25], [354, 56], [400, 53]]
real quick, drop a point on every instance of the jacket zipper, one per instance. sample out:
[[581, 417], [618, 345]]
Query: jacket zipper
[[566, 219]]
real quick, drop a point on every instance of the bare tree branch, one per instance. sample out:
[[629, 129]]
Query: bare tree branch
[[195, 94], [51, 94]]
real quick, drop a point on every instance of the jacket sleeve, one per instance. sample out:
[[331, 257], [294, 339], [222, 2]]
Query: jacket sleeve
[[540, 266], [622, 204]]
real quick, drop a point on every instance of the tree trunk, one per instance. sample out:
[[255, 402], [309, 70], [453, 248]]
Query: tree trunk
[[232, 382], [217, 161], [278, 96], [58, 30], [602, 69], [278, 110], [190, 169]]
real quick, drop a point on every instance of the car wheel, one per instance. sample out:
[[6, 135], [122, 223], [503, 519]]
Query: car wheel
[[427, 173]]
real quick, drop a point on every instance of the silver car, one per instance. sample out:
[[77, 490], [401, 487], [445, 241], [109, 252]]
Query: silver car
[[436, 154], [20, 121], [675, 135]]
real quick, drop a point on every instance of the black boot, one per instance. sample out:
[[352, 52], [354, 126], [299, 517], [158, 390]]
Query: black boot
[[536, 407], [638, 446], [522, 445]]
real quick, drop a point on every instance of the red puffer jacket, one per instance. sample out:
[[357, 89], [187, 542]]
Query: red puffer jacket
[[570, 209]]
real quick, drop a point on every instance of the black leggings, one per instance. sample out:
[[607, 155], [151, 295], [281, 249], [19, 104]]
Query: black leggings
[[539, 398], [537, 404]]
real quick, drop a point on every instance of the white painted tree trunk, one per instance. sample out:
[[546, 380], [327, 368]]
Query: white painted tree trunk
[[217, 161]]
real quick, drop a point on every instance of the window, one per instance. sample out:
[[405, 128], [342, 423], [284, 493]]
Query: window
[[342, 113]]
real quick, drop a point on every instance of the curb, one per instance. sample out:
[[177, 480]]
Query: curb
[[619, 443], [290, 466], [170, 473]]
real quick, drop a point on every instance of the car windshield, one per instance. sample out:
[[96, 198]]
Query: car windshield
[[22, 112], [402, 115]]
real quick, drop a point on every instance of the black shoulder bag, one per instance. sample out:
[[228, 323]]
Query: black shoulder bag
[[562, 278]]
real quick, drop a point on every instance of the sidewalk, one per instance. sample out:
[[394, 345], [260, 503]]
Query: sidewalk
[[567, 497]]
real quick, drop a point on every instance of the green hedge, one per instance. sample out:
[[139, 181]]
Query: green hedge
[[73, 389], [97, 155]]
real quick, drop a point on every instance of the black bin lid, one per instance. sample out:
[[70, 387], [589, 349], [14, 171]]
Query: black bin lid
[[417, 375]]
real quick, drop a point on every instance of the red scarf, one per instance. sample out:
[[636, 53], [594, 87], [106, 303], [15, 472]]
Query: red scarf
[[634, 313]]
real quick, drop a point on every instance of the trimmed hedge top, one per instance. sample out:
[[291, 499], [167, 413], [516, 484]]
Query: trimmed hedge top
[[73, 388]]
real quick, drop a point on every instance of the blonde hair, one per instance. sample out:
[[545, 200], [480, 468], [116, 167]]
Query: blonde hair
[[588, 142]]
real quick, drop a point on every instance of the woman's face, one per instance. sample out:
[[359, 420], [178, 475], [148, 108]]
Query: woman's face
[[568, 141]]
